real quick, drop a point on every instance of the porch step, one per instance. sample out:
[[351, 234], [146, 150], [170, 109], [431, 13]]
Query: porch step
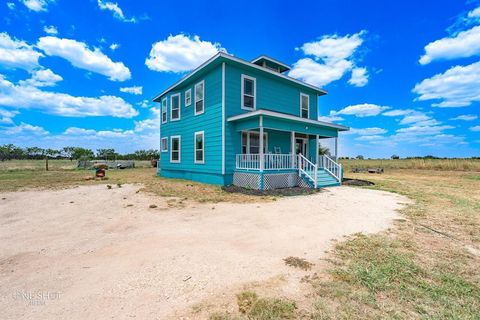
[[324, 179]]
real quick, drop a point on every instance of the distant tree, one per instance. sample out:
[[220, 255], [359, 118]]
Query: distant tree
[[10, 151], [395, 156], [82, 153], [106, 154], [67, 152], [360, 157], [323, 151]]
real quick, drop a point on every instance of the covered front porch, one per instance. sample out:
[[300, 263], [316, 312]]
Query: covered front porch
[[288, 155]]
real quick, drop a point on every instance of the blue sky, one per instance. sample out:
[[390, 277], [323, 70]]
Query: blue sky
[[405, 76]]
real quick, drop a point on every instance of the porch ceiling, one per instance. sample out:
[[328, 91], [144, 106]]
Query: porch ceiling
[[283, 122]]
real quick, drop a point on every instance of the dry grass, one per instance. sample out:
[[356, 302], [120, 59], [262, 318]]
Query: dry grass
[[18, 179], [52, 164], [426, 267], [422, 164], [298, 263]]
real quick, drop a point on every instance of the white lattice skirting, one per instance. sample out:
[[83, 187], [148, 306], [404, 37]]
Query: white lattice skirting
[[270, 180]]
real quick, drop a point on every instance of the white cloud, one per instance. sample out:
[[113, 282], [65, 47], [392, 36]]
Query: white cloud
[[37, 5], [82, 57], [11, 5], [466, 117], [474, 14], [475, 129], [424, 130], [50, 30], [398, 112], [150, 124], [359, 77], [181, 53], [361, 110], [333, 56], [27, 96], [370, 138], [115, 133], [330, 118], [137, 90], [114, 46], [42, 78], [464, 44], [17, 54], [459, 86], [6, 116], [415, 118], [144, 103], [24, 128], [116, 11], [367, 131]]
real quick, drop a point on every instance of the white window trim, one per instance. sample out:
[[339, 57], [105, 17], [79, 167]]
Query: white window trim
[[244, 76], [179, 107], [161, 144], [189, 91], [179, 149], [195, 147], [308, 104], [248, 140], [203, 96], [164, 108]]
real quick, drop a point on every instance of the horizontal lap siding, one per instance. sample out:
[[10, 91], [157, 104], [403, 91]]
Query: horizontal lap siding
[[209, 122], [272, 94]]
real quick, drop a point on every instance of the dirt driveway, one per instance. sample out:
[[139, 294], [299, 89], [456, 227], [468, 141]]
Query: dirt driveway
[[93, 253]]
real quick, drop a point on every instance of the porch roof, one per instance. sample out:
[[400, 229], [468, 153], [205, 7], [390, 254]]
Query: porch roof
[[285, 122]]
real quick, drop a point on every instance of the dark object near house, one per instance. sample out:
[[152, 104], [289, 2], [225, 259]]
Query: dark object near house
[[154, 163], [369, 170], [100, 170], [356, 182]]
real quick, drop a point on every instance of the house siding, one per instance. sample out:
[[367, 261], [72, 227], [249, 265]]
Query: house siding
[[209, 122]]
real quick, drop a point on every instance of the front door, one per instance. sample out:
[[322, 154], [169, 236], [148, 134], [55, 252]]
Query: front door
[[301, 146]]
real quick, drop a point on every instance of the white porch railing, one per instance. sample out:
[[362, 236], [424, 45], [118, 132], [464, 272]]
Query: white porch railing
[[271, 161], [308, 168], [334, 168]]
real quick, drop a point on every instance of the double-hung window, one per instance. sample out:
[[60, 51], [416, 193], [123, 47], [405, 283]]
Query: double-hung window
[[200, 147], [175, 149], [304, 105], [199, 98], [175, 107], [164, 144], [188, 97], [251, 142], [248, 92], [164, 110]]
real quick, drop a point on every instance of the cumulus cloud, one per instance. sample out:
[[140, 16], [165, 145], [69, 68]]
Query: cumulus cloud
[[332, 57], [475, 129], [361, 110], [397, 112], [24, 128], [6, 116], [24, 95], [459, 86], [359, 77], [50, 30], [136, 90], [464, 44], [42, 78], [367, 131], [181, 53], [150, 124], [80, 56], [114, 46], [116, 11], [37, 5], [465, 117], [115, 133], [11, 5], [17, 54]]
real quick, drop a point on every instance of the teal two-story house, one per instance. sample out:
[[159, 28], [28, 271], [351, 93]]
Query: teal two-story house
[[212, 121]]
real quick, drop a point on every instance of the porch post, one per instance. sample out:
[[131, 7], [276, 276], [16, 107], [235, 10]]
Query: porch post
[[262, 158], [316, 149], [336, 149], [292, 138]]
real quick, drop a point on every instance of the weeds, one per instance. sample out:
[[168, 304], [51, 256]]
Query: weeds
[[298, 263]]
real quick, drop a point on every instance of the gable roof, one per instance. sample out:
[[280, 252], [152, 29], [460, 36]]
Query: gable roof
[[263, 58], [221, 57]]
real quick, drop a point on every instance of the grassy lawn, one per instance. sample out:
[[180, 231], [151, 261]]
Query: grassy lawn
[[14, 176], [426, 267]]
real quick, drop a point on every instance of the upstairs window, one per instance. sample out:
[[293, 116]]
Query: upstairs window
[[188, 97], [175, 147], [164, 110], [199, 147], [199, 97], [164, 145], [175, 107], [304, 105], [248, 92]]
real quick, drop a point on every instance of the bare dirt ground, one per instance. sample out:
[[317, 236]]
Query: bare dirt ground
[[93, 253]]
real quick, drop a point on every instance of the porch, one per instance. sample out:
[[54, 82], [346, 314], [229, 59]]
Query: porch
[[262, 163]]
